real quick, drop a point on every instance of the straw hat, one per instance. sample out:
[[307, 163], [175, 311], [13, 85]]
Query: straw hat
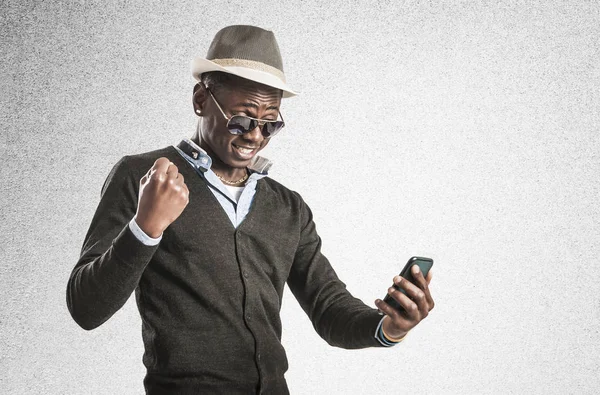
[[248, 52]]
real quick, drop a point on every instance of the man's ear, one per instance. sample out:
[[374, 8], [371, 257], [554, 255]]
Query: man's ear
[[199, 98]]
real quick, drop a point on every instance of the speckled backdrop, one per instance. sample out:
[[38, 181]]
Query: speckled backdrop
[[463, 132]]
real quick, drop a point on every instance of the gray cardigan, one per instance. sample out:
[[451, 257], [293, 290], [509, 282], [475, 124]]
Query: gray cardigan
[[209, 294]]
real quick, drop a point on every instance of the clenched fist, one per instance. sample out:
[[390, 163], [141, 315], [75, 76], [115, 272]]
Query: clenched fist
[[162, 198]]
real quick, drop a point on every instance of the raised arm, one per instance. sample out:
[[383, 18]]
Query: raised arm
[[112, 258]]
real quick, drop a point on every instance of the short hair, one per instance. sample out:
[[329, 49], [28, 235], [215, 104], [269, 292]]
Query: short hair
[[218, 80]]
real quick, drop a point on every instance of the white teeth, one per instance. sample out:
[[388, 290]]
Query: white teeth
[[244, 150]]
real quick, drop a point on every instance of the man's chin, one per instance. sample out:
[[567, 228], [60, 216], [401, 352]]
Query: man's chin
[[236, 163]]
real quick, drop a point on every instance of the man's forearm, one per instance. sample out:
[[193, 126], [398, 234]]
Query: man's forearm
[[348, 323], [99, 287]]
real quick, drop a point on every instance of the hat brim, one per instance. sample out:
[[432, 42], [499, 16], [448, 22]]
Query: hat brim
[[201, 65]]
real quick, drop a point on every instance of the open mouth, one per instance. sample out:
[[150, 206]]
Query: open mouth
[[244, 152]]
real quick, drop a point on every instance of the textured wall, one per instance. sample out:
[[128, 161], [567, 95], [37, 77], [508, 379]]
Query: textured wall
[[463, 132]]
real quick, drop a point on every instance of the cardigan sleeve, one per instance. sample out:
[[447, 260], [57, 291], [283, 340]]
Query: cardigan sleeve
[[112, 258], [339, 318]]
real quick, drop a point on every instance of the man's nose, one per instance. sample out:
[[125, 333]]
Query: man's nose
[[255, 134]]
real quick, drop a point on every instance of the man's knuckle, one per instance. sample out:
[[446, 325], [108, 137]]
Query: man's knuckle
[[387, 308]]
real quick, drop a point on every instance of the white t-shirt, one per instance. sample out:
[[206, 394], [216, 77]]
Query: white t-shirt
[[235, 191]]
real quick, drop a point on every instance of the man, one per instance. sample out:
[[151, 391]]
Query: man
[[207, 241]]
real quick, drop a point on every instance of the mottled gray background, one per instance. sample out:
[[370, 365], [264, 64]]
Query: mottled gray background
[[464, 132]]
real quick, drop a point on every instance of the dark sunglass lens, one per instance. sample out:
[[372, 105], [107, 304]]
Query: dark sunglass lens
[[240, 125], [271, 128]]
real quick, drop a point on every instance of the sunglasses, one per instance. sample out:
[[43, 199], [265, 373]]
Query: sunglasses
[[242, 124]]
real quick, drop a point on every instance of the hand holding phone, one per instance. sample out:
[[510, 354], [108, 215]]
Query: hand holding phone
[[424, 265]]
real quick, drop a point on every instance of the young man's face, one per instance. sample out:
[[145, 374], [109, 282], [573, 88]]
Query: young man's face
[[251, 99]]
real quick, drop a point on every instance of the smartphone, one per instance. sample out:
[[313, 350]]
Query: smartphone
[[424, 264]]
